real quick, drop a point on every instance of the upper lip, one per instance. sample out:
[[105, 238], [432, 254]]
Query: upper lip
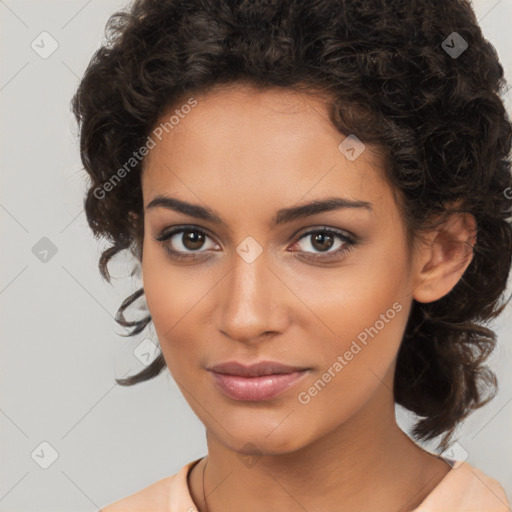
[[254, 370]]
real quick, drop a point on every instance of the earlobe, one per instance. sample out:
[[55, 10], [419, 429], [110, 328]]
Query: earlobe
[[444, 257]]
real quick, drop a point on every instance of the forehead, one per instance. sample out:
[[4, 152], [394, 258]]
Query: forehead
[[273, 146]]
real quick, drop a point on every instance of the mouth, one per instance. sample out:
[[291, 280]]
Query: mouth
[[257, 382], [255, 369]]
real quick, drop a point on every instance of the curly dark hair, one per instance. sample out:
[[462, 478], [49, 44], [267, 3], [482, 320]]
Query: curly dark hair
[[390, 79]]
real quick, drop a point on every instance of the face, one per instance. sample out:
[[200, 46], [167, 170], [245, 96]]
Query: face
[[329, 291]]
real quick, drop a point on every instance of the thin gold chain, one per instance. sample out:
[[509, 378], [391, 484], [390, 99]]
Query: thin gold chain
[[204, 495]]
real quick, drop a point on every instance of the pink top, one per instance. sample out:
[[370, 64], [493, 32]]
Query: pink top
[[463, 489]]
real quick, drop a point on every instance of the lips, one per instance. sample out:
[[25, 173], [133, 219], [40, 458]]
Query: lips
[[254, 370], [257, 382]]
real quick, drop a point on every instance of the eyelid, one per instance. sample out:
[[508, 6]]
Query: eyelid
[[348, 243], [169, 232], [322, 227]]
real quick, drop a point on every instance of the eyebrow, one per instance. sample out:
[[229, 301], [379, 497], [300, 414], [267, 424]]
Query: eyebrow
[[283, 216]]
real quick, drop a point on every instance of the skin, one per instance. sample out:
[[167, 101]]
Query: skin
[[245, 154]]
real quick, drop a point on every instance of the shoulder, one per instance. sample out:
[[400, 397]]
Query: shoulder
[[167, 494], [466, 488], [153, 497], [485, 489]]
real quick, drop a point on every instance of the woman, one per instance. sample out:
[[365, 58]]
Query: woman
[[318, 194]]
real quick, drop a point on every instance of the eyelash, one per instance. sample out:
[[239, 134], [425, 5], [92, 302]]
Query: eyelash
[[350, 243]]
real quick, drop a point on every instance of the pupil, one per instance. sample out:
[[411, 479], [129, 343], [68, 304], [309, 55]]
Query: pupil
[[321, 238]]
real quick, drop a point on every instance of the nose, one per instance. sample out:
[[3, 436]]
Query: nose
[[254, 302]]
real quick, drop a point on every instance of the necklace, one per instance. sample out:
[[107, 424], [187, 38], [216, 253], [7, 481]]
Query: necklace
[[204, 495]]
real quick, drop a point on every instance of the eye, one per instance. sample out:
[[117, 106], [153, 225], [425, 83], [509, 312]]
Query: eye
[[186, 242], [186, 239], [324, 240]]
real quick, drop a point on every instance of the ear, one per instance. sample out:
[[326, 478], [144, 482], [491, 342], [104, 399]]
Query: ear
[[442, 258]]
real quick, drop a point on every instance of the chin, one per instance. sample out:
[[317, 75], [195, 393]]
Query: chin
[[257, 442]]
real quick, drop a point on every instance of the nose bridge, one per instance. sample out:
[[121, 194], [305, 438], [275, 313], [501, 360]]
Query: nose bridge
[[250, 298]]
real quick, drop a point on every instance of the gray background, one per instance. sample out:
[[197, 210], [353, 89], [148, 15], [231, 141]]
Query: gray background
[[60, 346]]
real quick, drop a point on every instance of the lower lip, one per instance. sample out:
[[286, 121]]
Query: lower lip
[[256, 389]]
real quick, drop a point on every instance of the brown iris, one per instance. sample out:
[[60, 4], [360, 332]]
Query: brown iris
[[320, 238], [193, 239]]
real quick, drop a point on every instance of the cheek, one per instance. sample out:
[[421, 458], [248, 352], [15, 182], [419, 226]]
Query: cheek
[[347, 300], [177, 300], [175, 297], [360, 311], [170, 290]]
